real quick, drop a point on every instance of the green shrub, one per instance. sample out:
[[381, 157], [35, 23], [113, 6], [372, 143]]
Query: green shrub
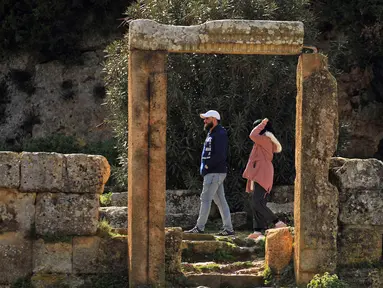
[[326, 281], [106, 199], [241, 88], [22, 283], [353, 28]]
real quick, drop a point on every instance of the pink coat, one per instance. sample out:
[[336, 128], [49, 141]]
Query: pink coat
[[259, 167]]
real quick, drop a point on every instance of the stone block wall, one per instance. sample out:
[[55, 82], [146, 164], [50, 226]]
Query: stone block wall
[[360, 185], [360, 220], [49, 219]]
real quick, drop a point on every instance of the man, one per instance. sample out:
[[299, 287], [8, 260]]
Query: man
[[213, 169]]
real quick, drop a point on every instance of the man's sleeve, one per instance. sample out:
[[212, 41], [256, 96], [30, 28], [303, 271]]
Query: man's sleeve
[[219, 149]]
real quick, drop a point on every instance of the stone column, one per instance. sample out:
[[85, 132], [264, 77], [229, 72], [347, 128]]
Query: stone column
[[146, 168], [316, 200]]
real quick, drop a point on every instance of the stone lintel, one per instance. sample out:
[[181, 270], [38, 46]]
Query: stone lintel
[[219, 37]]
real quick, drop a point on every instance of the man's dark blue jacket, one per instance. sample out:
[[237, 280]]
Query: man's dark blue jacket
[[214, 153]]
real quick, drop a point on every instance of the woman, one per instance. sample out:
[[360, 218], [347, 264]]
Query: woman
[[259, 173]]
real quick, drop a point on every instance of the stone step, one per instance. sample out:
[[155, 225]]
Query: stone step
[[225, 280], [222, 251], [117, 217], [239, 239], [240, 268]]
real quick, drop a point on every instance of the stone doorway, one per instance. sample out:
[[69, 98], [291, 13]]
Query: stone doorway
[[315, 203]]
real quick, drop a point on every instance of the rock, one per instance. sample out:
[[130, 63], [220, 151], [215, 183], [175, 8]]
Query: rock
[[182, 201], [57, 280], [52, 257], [16, 257], [238, 219], [17, 211], [359, 245], [185, 221], [249, 37], [100, 255], [42, 172], [316, 200], [119, 199], [282, 209], [224, 280], [362, 277], [361, 207], [337, 162], [117, 217], [359, 174], [279, 248], [66, 214], [173, 252], [282, 194], [9, 170], [197, 237], [86, 173]]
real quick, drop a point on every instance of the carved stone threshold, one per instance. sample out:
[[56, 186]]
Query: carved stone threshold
[[219, 37]]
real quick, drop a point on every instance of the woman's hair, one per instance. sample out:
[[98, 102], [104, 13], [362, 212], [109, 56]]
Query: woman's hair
[[268, 127]]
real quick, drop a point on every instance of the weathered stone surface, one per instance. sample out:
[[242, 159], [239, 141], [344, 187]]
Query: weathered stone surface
[[86, 173], [238, 219], [42, 172], [52, 257], [359, 244], [100, 255], [221, 36], [279, 248], [361, 207], [182, 201], [219, 280], [205, 280], [119, 199], [315, 199], [197, 237], [16, 257], [17, 211], [181, 220], [117, 217], [366, 174], [282, 194], [362, 277], [9, 170], [64, 102], [173, 252], [147, 163], [282, 209], [57, 280], [66, 214]]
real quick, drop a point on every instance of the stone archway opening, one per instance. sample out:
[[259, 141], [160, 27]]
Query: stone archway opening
[[315, 211]]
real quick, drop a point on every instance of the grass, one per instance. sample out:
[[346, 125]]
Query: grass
[[106, 199], [104, 230], [22, 283]]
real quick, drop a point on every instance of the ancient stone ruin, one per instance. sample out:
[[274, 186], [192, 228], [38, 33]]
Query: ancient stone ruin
[[149, 43], [49, 202]]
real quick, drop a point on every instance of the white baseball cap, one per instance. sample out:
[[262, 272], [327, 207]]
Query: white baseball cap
[[211, 113]]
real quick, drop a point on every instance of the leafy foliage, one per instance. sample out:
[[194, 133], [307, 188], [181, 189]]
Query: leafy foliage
[[354, 30], [241, 88], [326, 281]]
